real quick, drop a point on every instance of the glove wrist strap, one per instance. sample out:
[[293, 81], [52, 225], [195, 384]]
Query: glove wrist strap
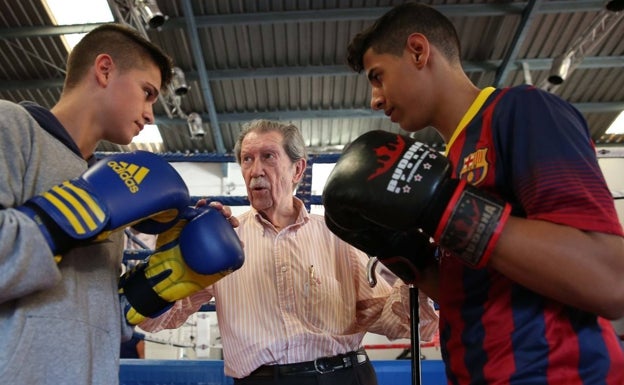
[[141, 295], [58, 243], [471, 225]]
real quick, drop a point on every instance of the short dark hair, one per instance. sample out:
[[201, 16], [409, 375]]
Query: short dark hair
[[125, 45], [294, 144], [389, 33]]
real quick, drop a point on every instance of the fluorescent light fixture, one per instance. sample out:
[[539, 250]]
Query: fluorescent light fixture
[[68, 12], [617, 127], [149, 134]]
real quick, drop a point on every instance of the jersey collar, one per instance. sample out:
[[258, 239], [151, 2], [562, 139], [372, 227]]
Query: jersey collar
[[472, 111]]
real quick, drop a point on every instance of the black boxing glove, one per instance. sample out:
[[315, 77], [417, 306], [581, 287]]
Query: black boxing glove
[[401, 184], [406, 253]]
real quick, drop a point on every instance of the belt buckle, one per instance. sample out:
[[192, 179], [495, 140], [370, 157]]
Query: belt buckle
[[319, 368]]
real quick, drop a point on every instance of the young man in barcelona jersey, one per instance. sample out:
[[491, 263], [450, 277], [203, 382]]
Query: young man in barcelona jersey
[[532, 252]]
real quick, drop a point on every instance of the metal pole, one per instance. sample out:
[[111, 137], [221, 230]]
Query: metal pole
[[414, 317], [415, 334]]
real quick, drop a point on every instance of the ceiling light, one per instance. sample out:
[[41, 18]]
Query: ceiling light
[[617, 127], [615, 5], [559, 69], [149, 134], [196, 128], [67, 12], [150, 13], [178, 82]]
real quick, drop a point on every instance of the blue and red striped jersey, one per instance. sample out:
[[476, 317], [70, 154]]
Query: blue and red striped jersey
[[534, 150]]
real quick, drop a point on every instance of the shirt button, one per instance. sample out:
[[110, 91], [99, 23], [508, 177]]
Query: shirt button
[[284, 268]]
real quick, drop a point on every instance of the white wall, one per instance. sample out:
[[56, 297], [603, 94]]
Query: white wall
[[613, 169], [213, 179]]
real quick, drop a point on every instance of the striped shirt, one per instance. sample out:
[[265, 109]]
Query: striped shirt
[[301, 294]]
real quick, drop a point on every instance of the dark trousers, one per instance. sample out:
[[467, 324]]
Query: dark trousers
[[360, 374]]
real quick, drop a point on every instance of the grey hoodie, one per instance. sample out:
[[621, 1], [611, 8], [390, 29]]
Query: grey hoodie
[[59, 324]]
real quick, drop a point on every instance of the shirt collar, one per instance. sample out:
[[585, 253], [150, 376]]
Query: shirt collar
[[475, 107]]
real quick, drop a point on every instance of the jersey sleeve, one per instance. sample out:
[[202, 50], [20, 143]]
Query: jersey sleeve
[[552, 162]]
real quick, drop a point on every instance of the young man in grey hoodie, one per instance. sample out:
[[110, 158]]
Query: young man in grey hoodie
[[62, 322]]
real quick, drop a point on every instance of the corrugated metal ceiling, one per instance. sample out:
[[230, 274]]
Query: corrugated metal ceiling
[[284, 60]]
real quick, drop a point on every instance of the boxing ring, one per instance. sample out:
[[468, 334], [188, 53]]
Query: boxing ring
[[210, 372]]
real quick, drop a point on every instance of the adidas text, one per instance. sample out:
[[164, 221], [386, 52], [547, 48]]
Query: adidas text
[[126, 176]]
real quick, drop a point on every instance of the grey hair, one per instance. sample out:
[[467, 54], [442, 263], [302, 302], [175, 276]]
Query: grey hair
[[294, 145]]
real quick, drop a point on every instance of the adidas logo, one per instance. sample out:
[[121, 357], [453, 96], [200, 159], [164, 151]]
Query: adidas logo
[[131, 174]]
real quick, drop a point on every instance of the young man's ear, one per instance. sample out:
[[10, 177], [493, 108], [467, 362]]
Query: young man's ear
[[103, 67], [418, 48]]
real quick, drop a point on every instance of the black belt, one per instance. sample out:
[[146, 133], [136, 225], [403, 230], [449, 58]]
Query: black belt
[[319, 366]]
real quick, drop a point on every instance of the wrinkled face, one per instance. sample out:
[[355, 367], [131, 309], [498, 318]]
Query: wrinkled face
[[398, 88], [129, 101], [268, 172]]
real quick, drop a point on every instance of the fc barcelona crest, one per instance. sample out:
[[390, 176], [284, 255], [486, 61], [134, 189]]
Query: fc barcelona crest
[[475, 167]]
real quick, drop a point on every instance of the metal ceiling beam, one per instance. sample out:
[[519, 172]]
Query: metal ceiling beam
[[331, 70], [236, 117], [352, 113], [528, 14], [577, 50], [347, 14], [343, 70], [339, 14], [198, 55], [323, 157], [45, 30]]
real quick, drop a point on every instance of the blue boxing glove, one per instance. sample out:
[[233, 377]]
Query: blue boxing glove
[[198, 251], [118, 191]]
